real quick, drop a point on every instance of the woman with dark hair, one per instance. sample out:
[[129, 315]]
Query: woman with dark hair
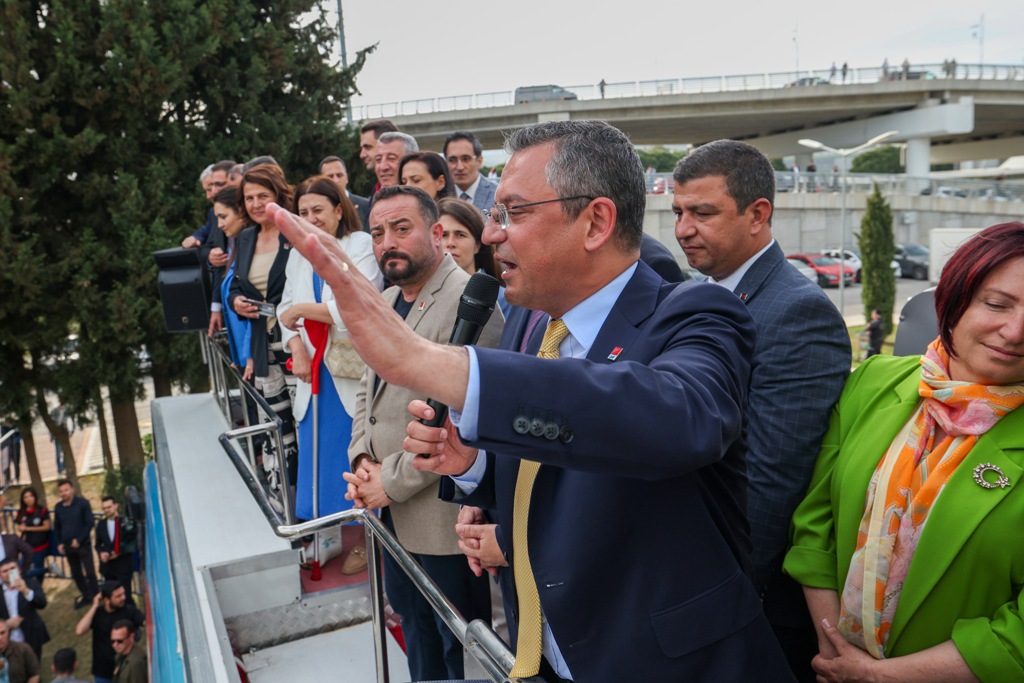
[[909, 543], [463, 236], [429, 172], [259, 278], [33, 523], [306, 298], [230, 224]]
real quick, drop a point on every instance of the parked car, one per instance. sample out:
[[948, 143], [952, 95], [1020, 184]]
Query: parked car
[[543, 93], [804, 269], [852, 259], [914, 260], [827, 269]]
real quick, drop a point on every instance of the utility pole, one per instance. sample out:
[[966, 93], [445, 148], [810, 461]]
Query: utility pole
[[344, 60]]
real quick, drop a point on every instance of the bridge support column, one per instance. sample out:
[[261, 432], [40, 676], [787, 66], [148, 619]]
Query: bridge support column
[[918, 163]]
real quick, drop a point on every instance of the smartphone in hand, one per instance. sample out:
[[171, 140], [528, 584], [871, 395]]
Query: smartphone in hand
[[264, 308]]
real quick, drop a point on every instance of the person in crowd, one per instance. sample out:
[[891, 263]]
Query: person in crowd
[[33, 524], [108, 608], [637, 396], [334, 168], [908, 543], [369, 133], [222, 249], [116, 545], [307, 299], [60, 418], [213, 179], [231, 222], [72, 526], [724, 200], [463, 236], [65, 662], [130, 665], [261, 160], [407, 243], [391, 147], [427, 171], [465, 157], [235, 174], [259, 278], [23, 598], [875, 333], [20, 664]]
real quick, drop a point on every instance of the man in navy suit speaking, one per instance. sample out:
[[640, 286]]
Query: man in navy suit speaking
[[625, 434]]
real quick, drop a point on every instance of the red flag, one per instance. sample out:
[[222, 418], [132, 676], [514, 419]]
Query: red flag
[[319, 337]]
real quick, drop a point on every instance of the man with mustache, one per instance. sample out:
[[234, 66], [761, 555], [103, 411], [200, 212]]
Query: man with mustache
[[406, 236]]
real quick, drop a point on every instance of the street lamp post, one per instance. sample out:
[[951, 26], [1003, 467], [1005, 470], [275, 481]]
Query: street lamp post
[[845, 154]]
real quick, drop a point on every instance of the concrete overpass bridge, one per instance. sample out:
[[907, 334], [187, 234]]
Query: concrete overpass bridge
[[942, 115]]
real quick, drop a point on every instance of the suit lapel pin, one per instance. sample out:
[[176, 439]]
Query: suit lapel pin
[[423, 305], [1002, 481], [615, 353], [743, 296]]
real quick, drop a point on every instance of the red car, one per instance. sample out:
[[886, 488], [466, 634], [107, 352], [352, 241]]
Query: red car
[[827, 269]]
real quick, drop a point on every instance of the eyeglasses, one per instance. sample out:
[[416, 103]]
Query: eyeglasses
[[499, 212], [118, 641]]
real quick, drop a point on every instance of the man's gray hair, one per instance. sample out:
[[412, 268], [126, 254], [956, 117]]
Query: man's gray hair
[[409, 141], [206, 173], [591, 159]]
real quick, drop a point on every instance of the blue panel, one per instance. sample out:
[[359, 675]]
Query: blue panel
[[165, 638]]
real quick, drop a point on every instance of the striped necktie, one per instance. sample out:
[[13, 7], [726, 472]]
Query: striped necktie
[[529, 647]]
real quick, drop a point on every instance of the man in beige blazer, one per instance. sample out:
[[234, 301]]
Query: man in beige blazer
[[407, 245]]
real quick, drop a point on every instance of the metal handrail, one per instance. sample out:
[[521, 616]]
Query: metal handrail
[[221, 369], [476, 636]]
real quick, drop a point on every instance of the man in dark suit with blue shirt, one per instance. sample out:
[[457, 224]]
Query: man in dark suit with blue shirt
[[465, 156], [724, 197], [631, 439]]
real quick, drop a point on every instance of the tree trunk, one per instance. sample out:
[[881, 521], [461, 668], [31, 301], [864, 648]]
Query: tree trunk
[[101, 423], [161, 381], [126, 430], [25, 428], [60, 433]]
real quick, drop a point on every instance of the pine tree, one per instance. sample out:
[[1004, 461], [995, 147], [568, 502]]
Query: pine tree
[[877, 248]]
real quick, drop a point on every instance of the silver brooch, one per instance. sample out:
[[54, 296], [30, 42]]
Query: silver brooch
[[1002, 481]]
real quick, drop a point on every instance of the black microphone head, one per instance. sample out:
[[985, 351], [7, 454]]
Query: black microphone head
[[477, 302]]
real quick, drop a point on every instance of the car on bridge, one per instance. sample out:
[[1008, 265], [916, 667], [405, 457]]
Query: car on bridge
[[826, 268], [808, 80], [543, 93]]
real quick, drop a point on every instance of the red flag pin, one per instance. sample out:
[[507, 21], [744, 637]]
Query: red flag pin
[[615, 353]]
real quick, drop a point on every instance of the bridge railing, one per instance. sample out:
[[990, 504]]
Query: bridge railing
[[812, 78], [889, 183]]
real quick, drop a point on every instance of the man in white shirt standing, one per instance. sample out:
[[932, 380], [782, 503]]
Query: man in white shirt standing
[[22, 597]]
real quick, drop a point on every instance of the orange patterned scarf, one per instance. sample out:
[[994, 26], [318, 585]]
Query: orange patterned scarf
[[905, 485]]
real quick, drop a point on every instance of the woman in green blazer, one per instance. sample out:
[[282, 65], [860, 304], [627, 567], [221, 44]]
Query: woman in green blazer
[[954, 613]]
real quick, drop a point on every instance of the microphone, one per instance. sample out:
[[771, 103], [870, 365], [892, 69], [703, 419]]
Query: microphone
[[475, 308]]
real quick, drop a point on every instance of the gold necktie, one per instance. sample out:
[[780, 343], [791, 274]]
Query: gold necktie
[[529, 647]]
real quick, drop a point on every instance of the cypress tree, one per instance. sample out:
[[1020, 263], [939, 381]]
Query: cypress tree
[[877, 248]]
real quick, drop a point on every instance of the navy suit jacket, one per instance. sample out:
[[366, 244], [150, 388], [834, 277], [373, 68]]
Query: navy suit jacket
[[801, 362], [638, 538], [362, 205], [484, 198]]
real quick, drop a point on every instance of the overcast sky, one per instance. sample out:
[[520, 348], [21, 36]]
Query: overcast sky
[[454, 47]]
